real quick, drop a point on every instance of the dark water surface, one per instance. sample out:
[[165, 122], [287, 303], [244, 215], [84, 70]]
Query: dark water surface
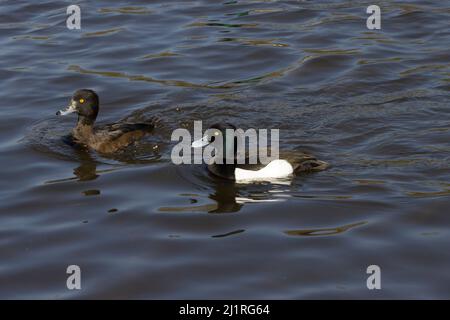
[[375, 104]]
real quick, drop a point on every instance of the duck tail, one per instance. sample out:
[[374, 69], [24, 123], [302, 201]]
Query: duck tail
[[312, 165]]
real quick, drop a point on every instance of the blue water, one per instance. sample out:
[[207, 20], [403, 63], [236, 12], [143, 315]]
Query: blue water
[[372, 103]]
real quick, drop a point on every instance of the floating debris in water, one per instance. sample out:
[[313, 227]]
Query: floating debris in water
[[93, 192]]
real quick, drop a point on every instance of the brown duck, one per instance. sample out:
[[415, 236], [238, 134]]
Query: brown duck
[[105, 139]]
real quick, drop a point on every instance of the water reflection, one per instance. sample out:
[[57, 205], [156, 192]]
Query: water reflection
[[226, 196], [231, 197], [228, 233], [86, 169], [324, 231]]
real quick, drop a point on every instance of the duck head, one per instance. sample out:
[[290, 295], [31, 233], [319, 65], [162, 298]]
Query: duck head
[[85, 103], [218, 131]]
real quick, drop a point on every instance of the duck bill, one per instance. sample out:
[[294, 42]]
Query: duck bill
[[71, 108], [200, 142]]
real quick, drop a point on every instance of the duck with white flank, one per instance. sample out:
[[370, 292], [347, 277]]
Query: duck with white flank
[[280, 168]]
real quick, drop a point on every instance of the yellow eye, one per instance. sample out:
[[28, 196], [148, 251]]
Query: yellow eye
[[216, 133], [81, 100]]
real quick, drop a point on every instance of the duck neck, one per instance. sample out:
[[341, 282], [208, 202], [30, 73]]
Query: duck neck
[[84, 129], [228, 166], [85, 121]]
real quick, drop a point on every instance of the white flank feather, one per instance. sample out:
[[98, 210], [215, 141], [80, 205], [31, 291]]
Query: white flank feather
[[274, 170]]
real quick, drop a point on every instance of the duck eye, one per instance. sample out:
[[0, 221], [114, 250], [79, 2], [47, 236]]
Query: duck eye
[[81, 100]]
